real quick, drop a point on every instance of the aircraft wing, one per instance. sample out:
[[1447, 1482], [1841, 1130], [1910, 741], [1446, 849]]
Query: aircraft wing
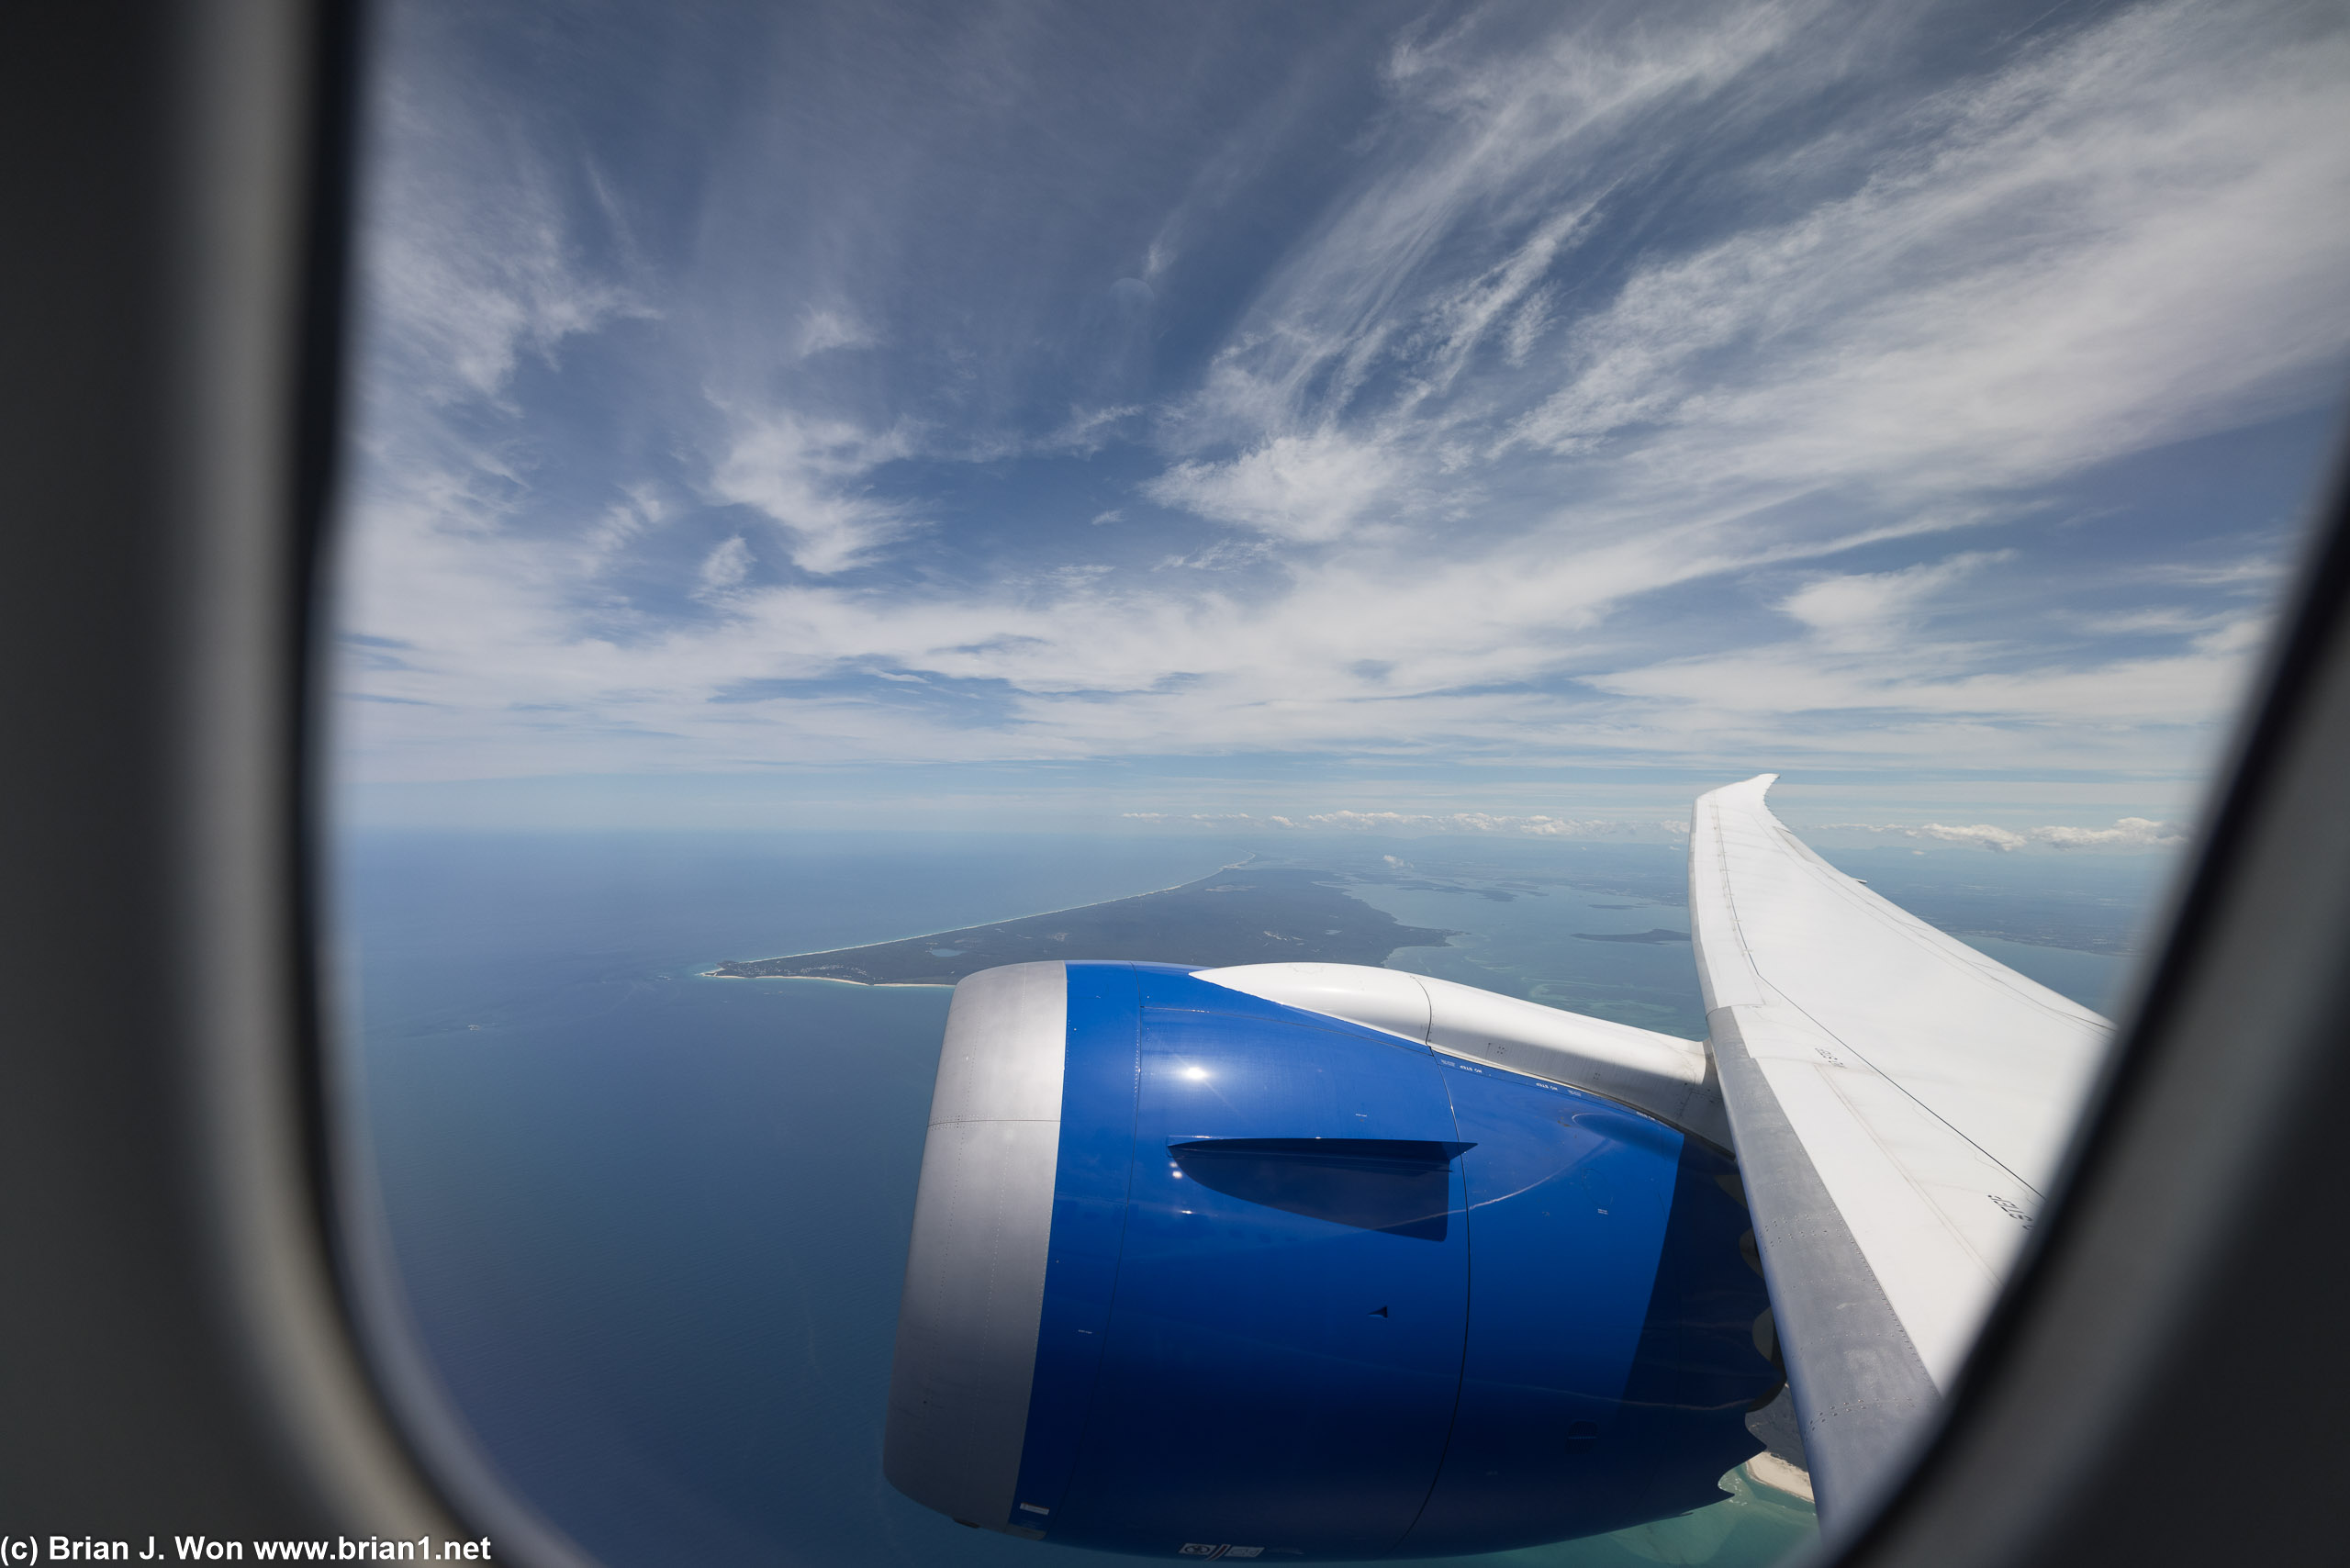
[[1900, 1104]]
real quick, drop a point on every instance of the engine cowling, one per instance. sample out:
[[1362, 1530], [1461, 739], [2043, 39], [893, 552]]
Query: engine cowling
[[1197, 1272]]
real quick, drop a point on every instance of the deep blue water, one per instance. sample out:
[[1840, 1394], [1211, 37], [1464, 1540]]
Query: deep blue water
[[651, 1227]]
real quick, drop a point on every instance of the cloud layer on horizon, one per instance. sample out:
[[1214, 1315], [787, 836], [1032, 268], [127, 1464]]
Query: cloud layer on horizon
[[2128, 833]]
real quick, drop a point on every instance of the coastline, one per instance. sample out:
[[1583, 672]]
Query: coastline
[[838, 979], [1767, 1469], [1001, 920], [1272, 914]]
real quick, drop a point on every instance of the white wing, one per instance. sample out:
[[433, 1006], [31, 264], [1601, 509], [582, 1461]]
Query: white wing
[[1901, 1104]]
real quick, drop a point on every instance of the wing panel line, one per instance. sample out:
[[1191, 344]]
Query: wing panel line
[[1908, 1093]]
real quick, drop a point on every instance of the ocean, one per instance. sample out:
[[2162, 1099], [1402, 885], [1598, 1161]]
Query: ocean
[[649, 1226]]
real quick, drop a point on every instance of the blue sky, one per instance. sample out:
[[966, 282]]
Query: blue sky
[[1496, 419]]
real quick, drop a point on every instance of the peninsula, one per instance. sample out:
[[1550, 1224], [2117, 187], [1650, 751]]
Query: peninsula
[[1237, 915]]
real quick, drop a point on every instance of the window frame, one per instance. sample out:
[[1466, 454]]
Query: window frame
[[180, 1351]]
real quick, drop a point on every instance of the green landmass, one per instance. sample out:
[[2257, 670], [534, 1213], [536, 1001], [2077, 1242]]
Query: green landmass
[[1239, 916]]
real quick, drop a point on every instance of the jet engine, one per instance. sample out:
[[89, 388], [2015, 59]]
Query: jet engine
[[1316, 1262]]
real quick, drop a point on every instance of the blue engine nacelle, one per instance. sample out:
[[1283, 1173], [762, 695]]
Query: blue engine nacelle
[[1195, 1272]]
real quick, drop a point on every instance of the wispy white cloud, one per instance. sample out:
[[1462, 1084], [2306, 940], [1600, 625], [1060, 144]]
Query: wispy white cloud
[[1476, 822], [2129, 833], [1865, 611], [2156, 621], [806, 475], [1486, 823], [1088, 431], [1308, 490], [2259, 573], [486, 261], [823, 331], [725, 567], [1981, 835], [2043, 270], [1485, 461], [1506, 296]]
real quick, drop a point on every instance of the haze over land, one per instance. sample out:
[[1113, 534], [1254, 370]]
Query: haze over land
[[1235, 915], [1347, 903]]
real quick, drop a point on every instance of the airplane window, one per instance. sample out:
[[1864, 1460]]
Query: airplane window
[[1269, 557]]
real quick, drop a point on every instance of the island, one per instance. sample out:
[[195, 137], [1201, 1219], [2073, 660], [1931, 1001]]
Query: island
[[1237, 915]]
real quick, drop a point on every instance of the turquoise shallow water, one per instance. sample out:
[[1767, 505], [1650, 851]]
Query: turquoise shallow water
[[651, 1227]]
